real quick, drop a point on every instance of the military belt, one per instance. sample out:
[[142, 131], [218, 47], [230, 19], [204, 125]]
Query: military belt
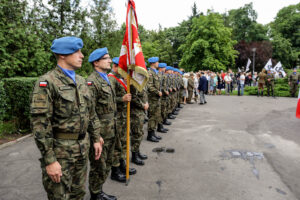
[[107, 116], [67, 136]]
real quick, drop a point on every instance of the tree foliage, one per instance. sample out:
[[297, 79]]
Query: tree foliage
[[208, 45]]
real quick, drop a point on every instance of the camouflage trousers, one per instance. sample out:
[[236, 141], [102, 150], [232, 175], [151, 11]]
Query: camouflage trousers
[[293, 88], [154, 114], [190, 92], [164, 107], [74, 169], [100, 169], [171, 102], [120, 145], [270, 86], [137, 132]]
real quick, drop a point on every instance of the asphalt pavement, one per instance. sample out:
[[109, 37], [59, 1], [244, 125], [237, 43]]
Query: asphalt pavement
[[232, 148]]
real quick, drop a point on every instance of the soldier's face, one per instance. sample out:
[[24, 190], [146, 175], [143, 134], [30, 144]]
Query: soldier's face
[[74, 61], [104, 63]]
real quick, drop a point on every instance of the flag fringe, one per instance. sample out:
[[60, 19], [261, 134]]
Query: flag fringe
[[136, 69]]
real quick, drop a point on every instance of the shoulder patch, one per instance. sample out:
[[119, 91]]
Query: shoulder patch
[[90, 83], [43, 83]]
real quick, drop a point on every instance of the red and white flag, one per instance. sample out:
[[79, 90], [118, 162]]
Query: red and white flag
[[298, 106], [132, 60]]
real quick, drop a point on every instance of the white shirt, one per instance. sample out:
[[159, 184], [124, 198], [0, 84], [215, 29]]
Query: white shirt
[[242, 79], [227, 78]]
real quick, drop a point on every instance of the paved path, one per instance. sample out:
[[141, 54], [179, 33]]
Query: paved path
[[233, 148]]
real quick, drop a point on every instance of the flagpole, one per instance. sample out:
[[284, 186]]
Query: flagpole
[[128, 130], [128, 105]]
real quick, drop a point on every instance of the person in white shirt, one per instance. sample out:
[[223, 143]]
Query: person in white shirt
[[242, 83], [227, 80], [185, 85]]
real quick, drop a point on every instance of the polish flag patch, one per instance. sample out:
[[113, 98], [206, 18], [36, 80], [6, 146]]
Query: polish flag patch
[[89, 83], [43, 84]]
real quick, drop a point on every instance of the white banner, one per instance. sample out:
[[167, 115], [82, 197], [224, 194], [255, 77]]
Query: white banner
[[268, 66], [248, 65], [278, 68]]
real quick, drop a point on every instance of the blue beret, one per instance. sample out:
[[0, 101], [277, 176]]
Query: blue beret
[[153, 60], [116, 60], [169, 68], [162, 65], [66, 45], [97, 54]]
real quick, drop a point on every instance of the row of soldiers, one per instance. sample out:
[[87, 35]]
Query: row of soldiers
[[266, 77], [75, 120]]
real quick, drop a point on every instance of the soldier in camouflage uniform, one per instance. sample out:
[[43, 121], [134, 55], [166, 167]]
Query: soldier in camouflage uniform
[[261, 82], [166, 93], [62, 113], [190, 88], [294, 80], [105, 107], [164, 97], [270, 82], [170, 85], [154, 98], [119, 86], [139, 105]]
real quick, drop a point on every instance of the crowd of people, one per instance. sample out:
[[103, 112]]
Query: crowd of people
[[214, 83]]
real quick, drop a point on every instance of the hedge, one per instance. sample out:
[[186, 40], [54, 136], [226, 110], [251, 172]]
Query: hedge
[[281, 89], [17, 92]]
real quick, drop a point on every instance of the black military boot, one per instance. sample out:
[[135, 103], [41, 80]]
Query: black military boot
[[132, 171], [166, 122], [170, 116], [166, 129], [96, 196], [151, 137], [175, 112], [136, 159], [177, 109], [156, 136], [161, 129], [107, 197], [179, 105], [142, 156], [117, 175]]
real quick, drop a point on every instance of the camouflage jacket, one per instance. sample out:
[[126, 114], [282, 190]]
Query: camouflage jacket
[[120, 91], [60, 106], [271, 77], [104, 100], [294, 78], [139, 99], [164, 86], [261, 77], [153, 85], [190, 84]]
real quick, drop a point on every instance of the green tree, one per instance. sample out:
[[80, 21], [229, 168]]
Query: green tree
[[286, 29], [208, 45], [22, 51], [244, 25]]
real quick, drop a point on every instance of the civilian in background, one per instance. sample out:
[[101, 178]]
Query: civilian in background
[[202, 88]]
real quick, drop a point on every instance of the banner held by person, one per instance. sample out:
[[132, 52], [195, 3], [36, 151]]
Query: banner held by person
[[132, 65], [278, 68], [248, 65], [268, 66]]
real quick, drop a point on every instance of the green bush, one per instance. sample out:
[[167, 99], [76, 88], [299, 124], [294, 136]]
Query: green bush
[[281, 89], [3, 101], [18, 92]]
